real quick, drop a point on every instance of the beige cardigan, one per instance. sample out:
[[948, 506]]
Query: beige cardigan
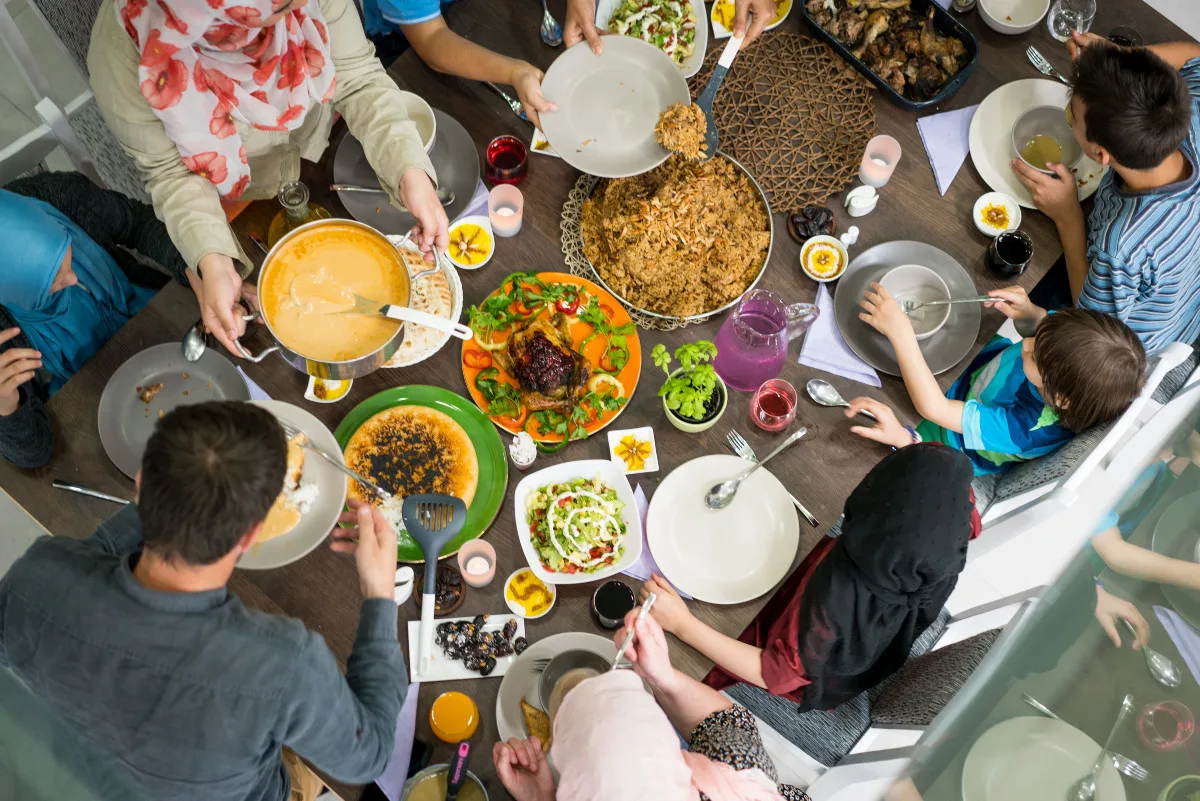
[[189, 204]]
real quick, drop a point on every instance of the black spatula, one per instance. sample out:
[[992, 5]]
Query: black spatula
[[431, 520]]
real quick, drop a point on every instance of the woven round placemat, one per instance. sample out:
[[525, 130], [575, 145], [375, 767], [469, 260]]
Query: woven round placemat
[[794, 114]]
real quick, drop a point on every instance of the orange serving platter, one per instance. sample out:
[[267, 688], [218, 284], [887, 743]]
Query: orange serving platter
[[580, 330]]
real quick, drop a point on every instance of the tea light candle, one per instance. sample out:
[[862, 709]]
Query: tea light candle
[[879, 161], [506, 207], [477, 563]]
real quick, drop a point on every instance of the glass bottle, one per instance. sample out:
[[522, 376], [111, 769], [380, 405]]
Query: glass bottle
[[1070, 15], [296, 212]]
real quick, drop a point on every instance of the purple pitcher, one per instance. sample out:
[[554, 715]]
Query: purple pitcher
[[752, 345]]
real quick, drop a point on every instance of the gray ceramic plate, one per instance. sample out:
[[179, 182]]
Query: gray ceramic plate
[[944, 349], [126, 422], [321, 517], [608, 105], [454, 158], [1175, 535]]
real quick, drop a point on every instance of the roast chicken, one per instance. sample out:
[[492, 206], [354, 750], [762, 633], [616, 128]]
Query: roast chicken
[[550, 374]]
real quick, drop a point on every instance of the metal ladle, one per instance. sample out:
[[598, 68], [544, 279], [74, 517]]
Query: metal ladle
[[1164, 671], [721, 495], [824, 394]]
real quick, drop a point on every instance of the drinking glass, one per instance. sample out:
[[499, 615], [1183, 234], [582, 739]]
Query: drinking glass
[[879, 161], [507, 160], [1070, 15], [1009, 254], [752, 344], [773, 407], [1165, 725], [1125, 36]]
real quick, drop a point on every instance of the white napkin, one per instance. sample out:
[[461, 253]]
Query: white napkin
[[645, 565], [943, 3], [396, 771], [1186, 638], [947, 141], [478, 204], [256, 392], [824, 348]]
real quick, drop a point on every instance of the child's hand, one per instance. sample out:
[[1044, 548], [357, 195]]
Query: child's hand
[[888, 430], [883, 313], [1014, 303]]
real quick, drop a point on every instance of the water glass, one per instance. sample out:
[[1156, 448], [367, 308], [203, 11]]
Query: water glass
[[1070, 15], [773, 407], [1165, 725]]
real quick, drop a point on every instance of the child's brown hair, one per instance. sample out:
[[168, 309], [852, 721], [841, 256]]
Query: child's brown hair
[[1092, 366]]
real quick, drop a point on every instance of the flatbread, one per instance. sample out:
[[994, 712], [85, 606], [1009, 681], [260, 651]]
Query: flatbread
[[431, 294], [413, 450], [538, 724]]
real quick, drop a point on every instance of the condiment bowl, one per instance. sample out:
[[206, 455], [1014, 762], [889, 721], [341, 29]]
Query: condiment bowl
[[817, 243], [421, 113], [914, 282], [1048, 121], [1013, 16], [996, 199], [519, 610], [483, 222], [565, 662]]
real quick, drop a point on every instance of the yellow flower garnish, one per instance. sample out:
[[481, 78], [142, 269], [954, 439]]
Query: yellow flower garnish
[[469, 244], [633, 452]]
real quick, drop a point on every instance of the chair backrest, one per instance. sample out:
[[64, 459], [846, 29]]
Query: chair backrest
[[71, 21]]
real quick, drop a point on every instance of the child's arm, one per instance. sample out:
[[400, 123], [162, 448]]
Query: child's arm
[[881, 312], [1130, 560]]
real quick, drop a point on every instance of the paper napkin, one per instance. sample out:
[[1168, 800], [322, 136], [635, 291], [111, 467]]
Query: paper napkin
[[396, 771], [946, 137], [824, 348], [256, 392]]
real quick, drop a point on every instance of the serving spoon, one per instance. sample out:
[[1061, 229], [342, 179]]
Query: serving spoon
[[705, 101], [824, 394], [721, 495]]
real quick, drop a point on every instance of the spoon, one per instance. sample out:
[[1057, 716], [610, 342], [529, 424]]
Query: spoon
[[705, 101], [551, 31], [193, 344], [721, 495], [825, 395], [444, 194], [1164, 671], [1085, 788]]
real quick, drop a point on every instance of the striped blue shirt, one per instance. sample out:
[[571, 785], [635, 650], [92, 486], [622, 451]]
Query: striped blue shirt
[[1144, 249]]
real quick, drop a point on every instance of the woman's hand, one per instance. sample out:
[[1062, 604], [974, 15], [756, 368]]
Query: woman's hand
[[647, 652], [523, 769], [888, 430], [761, 13], [669, 608], [581, 24], [218, 294], [420, 198], [1014, 303], [17, 366], [881, 311], [527, 80]]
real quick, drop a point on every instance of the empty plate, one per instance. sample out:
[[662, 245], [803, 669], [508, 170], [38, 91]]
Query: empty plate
[[608, 105], [126, 421]]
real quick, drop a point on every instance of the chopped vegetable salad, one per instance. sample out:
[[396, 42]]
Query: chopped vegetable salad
[[669, 25], [575, 526]]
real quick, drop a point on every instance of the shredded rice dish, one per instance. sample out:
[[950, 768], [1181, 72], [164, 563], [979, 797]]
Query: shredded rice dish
[[681, 129]]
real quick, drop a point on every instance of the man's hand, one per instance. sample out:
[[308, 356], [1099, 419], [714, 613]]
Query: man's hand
[[374, 551], [881, 311], [669, 608], [523, 769], [1014, 303], [527, 80], [889, 430], [1110, 610], [761, 13], [17, 366], [220, 289], [581, 24], [1055, 195], [420, 198], [1082, 41]]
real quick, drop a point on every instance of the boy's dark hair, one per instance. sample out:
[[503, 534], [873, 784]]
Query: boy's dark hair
[[1138, 107], [1090, 362], [210, 473]]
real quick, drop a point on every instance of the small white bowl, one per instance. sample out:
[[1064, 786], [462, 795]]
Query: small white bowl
[[342, 389], [519, 610], [832, 242], [1013, 16], [914, 282], [421, 113], [483, 222], [996, 199]]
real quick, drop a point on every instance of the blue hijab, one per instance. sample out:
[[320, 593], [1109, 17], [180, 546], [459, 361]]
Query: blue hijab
[[69, 326]]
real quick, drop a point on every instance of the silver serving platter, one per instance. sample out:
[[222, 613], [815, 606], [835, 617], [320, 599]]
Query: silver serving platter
[[695, 318]]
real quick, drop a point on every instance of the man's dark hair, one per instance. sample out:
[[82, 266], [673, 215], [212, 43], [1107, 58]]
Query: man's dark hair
[[1138, 107], [1091, 363], [210, 473]]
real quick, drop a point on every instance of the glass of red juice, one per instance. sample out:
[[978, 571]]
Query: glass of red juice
[[1165, 725], [773, 407], [507, 160]]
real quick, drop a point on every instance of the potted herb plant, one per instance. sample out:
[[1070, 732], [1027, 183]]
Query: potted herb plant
[[694, 396], [1185, 788]]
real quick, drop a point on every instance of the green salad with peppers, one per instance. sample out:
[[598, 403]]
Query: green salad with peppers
[[576, 526], [669, 25]]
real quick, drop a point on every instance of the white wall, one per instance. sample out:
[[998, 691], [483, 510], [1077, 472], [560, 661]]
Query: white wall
[[1184, 13]]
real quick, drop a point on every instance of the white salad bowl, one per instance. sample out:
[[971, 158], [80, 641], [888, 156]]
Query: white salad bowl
[[611, 475]]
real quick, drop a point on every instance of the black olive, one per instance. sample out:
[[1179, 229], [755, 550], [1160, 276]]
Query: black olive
[[520, 644], [510, 628], [489, 664]]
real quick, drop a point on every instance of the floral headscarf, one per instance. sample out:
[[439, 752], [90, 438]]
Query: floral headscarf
[[207, 63]]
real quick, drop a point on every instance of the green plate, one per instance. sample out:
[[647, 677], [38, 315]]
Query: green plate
[[493, 460]]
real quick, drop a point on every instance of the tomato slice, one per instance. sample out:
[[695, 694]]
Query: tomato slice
[[607, 310]]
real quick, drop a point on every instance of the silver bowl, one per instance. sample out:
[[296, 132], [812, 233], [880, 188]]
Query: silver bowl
[[1048, 121], [564, 663]]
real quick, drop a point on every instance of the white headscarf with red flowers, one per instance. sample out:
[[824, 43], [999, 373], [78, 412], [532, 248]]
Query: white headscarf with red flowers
[[206, 63]]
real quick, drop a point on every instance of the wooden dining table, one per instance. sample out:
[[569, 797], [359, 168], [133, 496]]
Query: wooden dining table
[[322, 589]]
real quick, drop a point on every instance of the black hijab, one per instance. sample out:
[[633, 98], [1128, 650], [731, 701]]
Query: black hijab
[[903, 544]]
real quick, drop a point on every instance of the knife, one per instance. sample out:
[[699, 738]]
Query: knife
[[515, 105]]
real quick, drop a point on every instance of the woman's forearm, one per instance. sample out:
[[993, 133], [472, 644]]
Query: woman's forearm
[[687, 702], [734, 656]]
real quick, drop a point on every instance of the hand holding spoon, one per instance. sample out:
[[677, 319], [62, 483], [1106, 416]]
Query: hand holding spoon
[[824, 394]]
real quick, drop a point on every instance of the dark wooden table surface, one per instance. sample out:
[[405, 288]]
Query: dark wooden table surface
[[322, 589]]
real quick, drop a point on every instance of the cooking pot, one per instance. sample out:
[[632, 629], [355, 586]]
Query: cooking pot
[[321, 368], [431, 784]]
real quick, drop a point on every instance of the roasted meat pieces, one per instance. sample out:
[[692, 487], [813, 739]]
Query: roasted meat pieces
[[551, 374]]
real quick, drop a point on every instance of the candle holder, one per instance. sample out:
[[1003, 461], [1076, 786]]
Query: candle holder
[[879, 161], [477, 563], [506, 207]]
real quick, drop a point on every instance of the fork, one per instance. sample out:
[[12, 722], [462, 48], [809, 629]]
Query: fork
[[551, 31], [1043, 66], [741, 447], [908, 306], [292, 432], [1122, 763]]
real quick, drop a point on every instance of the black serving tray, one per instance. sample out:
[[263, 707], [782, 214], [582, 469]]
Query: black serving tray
[[945, 25]]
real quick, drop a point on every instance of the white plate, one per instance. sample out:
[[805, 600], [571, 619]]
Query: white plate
[[608, 105], [521, 680], [321, 517], [692, 64], [728, 556], [721, 32], [443, 669], [643, 434], [991, 137], [1034, 758], [610, 474]]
